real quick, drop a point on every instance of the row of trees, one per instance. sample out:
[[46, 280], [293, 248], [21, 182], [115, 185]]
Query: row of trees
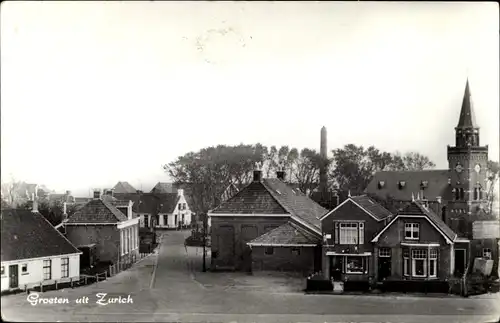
[[213, 169]]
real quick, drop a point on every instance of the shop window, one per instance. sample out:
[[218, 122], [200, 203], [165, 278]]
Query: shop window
[[355, 265]]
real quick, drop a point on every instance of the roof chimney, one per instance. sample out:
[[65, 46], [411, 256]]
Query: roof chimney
[[97, 194], [257, 173], [180, 192]]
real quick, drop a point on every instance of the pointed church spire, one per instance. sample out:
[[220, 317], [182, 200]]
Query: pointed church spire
[[412, 197], [467, 118]]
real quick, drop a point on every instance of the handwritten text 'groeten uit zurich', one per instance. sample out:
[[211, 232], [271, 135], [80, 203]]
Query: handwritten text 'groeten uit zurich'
[[101, 299]]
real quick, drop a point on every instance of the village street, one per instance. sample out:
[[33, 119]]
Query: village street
[[169, 286]]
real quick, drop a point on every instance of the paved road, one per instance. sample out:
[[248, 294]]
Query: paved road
[[165, 287]]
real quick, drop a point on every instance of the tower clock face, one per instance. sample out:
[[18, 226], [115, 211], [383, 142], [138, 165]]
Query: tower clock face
[[459, 168], [477, 168]]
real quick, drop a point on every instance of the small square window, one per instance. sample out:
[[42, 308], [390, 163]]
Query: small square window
[[24, 268], [384, 252], [401, 184], [269, 250], [381, 184], [296, 251]]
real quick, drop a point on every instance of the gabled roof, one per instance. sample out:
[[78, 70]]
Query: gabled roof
[[417, 209], [124, 187], [98, 211], [168, 202], [287, 234], [467, 118], [368, 205], [152, 202], [162, 187], [272, 196], [27, 235], [437, 184]]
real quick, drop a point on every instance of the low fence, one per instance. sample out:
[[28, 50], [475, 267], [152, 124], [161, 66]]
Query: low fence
[[125, 263]]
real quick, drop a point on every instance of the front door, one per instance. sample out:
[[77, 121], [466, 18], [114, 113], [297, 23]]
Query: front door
[[14, 276], [460, 261], [384, 267], [336, 264]]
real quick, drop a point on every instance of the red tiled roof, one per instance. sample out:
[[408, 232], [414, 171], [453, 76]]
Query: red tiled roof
[[437, 184], [98, 211], [287, 234], [27, 234]]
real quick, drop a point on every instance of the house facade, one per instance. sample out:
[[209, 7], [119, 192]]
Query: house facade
[[348, 252], [418, 245], [34, 252], [266, 225], [110, 225], [457, 195]]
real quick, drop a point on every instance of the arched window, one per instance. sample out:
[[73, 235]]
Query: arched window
[[476, 193], [462, 196], [480, 192], [457, 196]]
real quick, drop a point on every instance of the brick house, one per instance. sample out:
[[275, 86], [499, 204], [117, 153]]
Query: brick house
[[457, 195], [347, 233], [418, 245], [34, 252], [107, 223], [239, 227]]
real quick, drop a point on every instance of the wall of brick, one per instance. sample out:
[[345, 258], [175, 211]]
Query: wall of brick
[[395, 234], [106, 238], [349, 211], [230, 235], [283, 259]]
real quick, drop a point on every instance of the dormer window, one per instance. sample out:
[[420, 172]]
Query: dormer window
[[401, 184], [381, 184]]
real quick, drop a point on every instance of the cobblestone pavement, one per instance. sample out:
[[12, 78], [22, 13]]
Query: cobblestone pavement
[[169, 286]]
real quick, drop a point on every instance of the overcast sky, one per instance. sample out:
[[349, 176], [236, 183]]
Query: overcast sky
[[97, 92]]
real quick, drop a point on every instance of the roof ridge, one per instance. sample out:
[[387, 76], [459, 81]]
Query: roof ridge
[[113, 209], [62, 235]]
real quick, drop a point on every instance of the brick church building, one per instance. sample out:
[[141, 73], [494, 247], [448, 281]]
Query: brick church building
[[456, 194]]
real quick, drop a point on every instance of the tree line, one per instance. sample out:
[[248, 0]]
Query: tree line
[[350, 168]]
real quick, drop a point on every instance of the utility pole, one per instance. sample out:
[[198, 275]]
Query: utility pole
[[204, 241]]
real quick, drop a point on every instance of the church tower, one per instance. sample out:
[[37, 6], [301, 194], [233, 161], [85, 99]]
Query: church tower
[[467, 162]]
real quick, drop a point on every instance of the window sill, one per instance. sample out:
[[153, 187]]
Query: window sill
[[24, 274], [413, 239], [356, 273]]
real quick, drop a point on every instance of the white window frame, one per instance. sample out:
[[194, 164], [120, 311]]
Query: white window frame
[[45, 262], [384, 252], [122, 242], [3, 271], [406, 262], [487, 253], [416, 255], [363, 262], [412, 228], [65, 267], [433, 258], [24, 272], [349, 233]]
